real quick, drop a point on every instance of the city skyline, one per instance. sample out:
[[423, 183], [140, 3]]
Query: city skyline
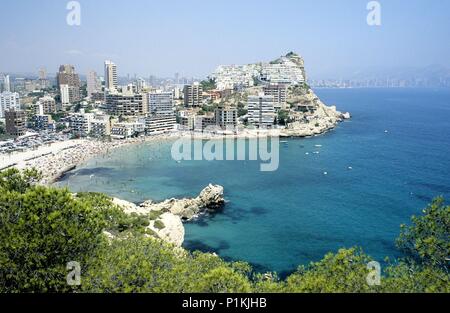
[[192, 39]]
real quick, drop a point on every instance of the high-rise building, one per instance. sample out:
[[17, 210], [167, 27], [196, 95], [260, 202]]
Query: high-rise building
[[193, 95], [110, 75], [261, 112], [15, 122], [279, 95], [8, 101], [64, 92], [93, 84], [7, 84], [67, 76], [160, 103]]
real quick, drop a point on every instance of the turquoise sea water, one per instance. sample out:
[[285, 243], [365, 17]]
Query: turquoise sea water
[[277, 220]]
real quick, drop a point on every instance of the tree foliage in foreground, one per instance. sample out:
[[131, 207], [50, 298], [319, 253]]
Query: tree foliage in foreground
[[42, 228]]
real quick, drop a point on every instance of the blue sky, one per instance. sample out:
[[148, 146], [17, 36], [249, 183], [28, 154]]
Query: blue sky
[[192, 37]]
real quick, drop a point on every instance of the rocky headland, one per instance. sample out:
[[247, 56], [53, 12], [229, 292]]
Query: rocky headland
[[167, 217]]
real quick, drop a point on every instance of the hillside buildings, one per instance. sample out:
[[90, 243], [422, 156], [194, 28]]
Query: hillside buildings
[[287, 69]]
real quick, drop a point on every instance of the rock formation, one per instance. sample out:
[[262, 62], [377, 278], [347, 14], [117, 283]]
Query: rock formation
[[169, 214]]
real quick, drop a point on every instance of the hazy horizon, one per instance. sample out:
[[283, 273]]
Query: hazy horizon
[[192, 38]]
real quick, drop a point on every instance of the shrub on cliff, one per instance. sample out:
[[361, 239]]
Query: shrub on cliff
[[149, 265], [41, 230], [427, 239]]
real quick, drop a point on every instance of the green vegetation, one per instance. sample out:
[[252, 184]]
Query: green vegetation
[[43, 228], [209, 84], [159, 224], [283, 117], [241, 109]]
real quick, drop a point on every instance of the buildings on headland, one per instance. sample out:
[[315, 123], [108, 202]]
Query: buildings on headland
[[279, 94], [287, 69]]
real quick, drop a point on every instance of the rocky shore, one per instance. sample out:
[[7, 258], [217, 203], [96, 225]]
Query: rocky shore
[[166, 217]]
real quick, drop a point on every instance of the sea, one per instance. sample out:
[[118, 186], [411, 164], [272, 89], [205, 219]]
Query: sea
[[352, 186]]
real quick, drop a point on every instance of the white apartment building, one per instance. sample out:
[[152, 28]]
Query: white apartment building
[[126, 130], [110, 75], [261, 111], [100, 126], [65, 94], [160, 103], [8, 101], [160, 124], [93, 84]]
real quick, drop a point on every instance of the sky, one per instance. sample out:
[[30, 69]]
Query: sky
[[192, 37]]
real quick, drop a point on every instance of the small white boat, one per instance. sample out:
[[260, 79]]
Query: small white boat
[[325, 173], [318, 146]]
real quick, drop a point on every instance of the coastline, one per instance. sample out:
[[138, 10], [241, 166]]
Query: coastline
[[56, 159]]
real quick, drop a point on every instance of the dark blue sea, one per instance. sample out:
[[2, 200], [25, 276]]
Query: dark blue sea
[[384, 165]]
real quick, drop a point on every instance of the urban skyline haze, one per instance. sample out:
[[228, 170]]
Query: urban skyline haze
[[193, 37]]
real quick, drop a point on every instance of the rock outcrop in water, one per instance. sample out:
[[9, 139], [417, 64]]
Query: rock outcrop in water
[[169, 214]]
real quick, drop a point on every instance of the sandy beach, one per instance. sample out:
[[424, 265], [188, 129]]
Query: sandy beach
[[53, 160]]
